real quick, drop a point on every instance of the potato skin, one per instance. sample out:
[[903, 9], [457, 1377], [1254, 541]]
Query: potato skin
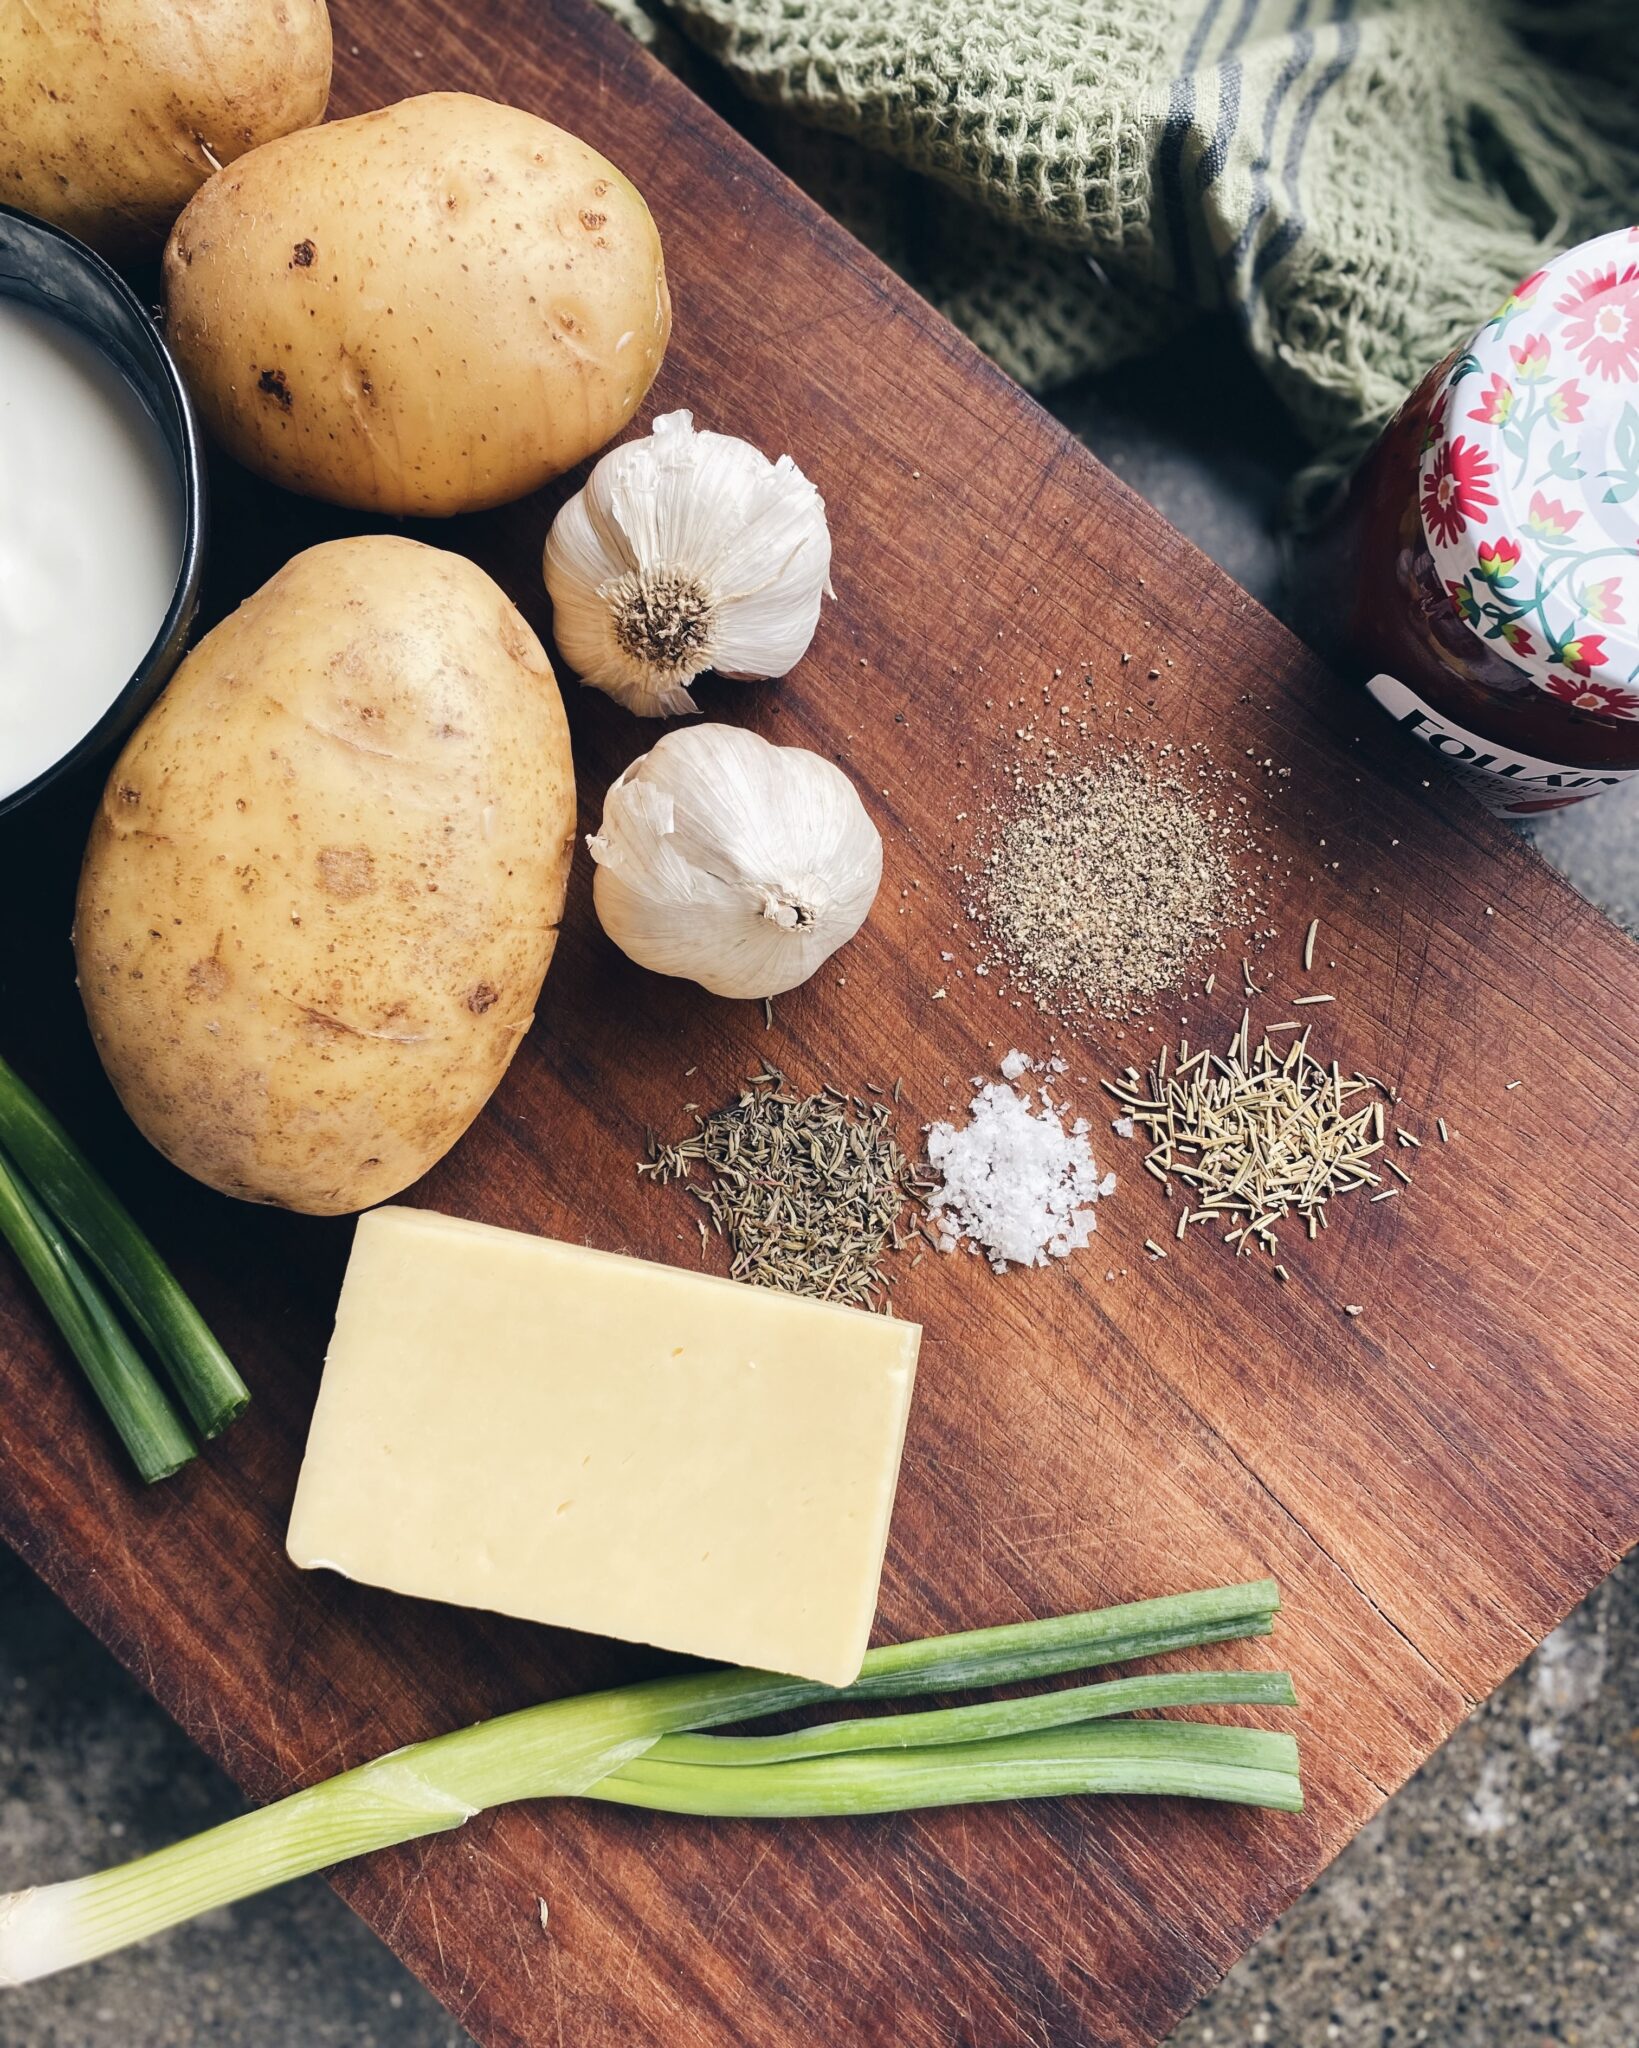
[[114, 112], [425, 310], [325, 880]]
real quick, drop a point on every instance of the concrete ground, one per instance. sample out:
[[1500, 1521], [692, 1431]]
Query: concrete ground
[[1494, 1904]]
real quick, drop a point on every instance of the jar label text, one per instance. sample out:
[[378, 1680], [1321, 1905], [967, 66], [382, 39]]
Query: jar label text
[[1513, 785]]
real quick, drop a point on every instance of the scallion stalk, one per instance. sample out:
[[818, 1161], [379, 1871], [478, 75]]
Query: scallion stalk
[[130, 1395], [1186, 1759], [93, 1215], [574, 1748], [1072, 1642], [986, 1720]]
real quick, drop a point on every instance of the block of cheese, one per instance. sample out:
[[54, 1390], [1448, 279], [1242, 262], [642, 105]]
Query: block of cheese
[[578, 1438]]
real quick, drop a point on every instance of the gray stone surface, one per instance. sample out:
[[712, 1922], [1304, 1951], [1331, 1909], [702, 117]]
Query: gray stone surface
[[1494, 1902], [1492, 1905], [1596, 847]]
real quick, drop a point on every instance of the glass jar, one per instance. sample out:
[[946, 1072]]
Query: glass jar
[[1486, 552]]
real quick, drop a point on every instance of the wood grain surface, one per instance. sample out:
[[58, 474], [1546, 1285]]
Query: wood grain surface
[[1434, 1483]]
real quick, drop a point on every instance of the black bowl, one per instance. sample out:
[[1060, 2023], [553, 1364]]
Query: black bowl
[[45, 268]]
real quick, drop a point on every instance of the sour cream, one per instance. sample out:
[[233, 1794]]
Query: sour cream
[[91, 538]]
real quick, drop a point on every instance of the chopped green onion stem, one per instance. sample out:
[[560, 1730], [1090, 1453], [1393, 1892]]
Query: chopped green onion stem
[[606, 1745], [93, 1215], [132, 1397]]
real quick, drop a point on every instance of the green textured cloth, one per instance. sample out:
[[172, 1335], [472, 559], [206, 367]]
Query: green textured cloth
[[1073, 180]]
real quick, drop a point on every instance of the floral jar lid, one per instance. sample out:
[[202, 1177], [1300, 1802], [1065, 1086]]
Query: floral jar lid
[[1530, 478]]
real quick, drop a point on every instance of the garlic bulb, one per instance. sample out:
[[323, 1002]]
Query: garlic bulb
[[686, 551], [734, 863]]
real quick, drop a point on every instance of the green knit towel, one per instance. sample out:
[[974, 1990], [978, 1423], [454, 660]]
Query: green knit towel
[[1072, 180]]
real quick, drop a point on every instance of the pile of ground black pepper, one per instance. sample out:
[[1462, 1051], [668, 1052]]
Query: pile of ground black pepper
[[810, 1191], [1098, 884]]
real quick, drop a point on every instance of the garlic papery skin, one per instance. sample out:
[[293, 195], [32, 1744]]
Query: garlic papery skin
[[686, 551], [734, 863]]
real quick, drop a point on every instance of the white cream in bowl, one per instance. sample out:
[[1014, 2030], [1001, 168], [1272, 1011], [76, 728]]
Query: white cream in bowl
[[91, 538]]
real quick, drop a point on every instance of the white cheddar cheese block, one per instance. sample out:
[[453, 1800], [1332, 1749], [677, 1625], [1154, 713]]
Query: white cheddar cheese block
[[577, 1438]]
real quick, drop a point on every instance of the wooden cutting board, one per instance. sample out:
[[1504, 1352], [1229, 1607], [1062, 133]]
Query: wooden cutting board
[[1434, 1483]]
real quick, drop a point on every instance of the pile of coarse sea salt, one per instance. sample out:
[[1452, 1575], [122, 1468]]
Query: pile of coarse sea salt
[[1018, 1185]]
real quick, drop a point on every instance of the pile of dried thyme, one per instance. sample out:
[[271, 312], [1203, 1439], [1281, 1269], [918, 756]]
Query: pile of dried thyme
[[1257, 1135], [809, 1190]]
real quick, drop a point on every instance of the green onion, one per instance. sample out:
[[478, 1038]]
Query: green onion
[[1073, 1642], [986, 1721], [128, 1391], [93, 1215], [611, 1745], [1187, 1759]]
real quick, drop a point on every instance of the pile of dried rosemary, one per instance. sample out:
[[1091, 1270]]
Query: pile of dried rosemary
[[809, 1190], [1257, 1135]]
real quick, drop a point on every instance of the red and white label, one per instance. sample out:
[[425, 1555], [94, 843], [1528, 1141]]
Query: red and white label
[[1513, 785]]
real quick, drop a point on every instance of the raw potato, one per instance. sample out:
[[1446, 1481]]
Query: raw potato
[[325, 880], [429, 309], [113, 113]]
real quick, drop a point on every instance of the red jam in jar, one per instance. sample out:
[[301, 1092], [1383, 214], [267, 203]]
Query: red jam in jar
[[1490, 543]]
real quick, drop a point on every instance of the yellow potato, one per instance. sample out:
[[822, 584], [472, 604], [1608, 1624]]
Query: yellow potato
[[325, 880], [428, 309], [114, 112]]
